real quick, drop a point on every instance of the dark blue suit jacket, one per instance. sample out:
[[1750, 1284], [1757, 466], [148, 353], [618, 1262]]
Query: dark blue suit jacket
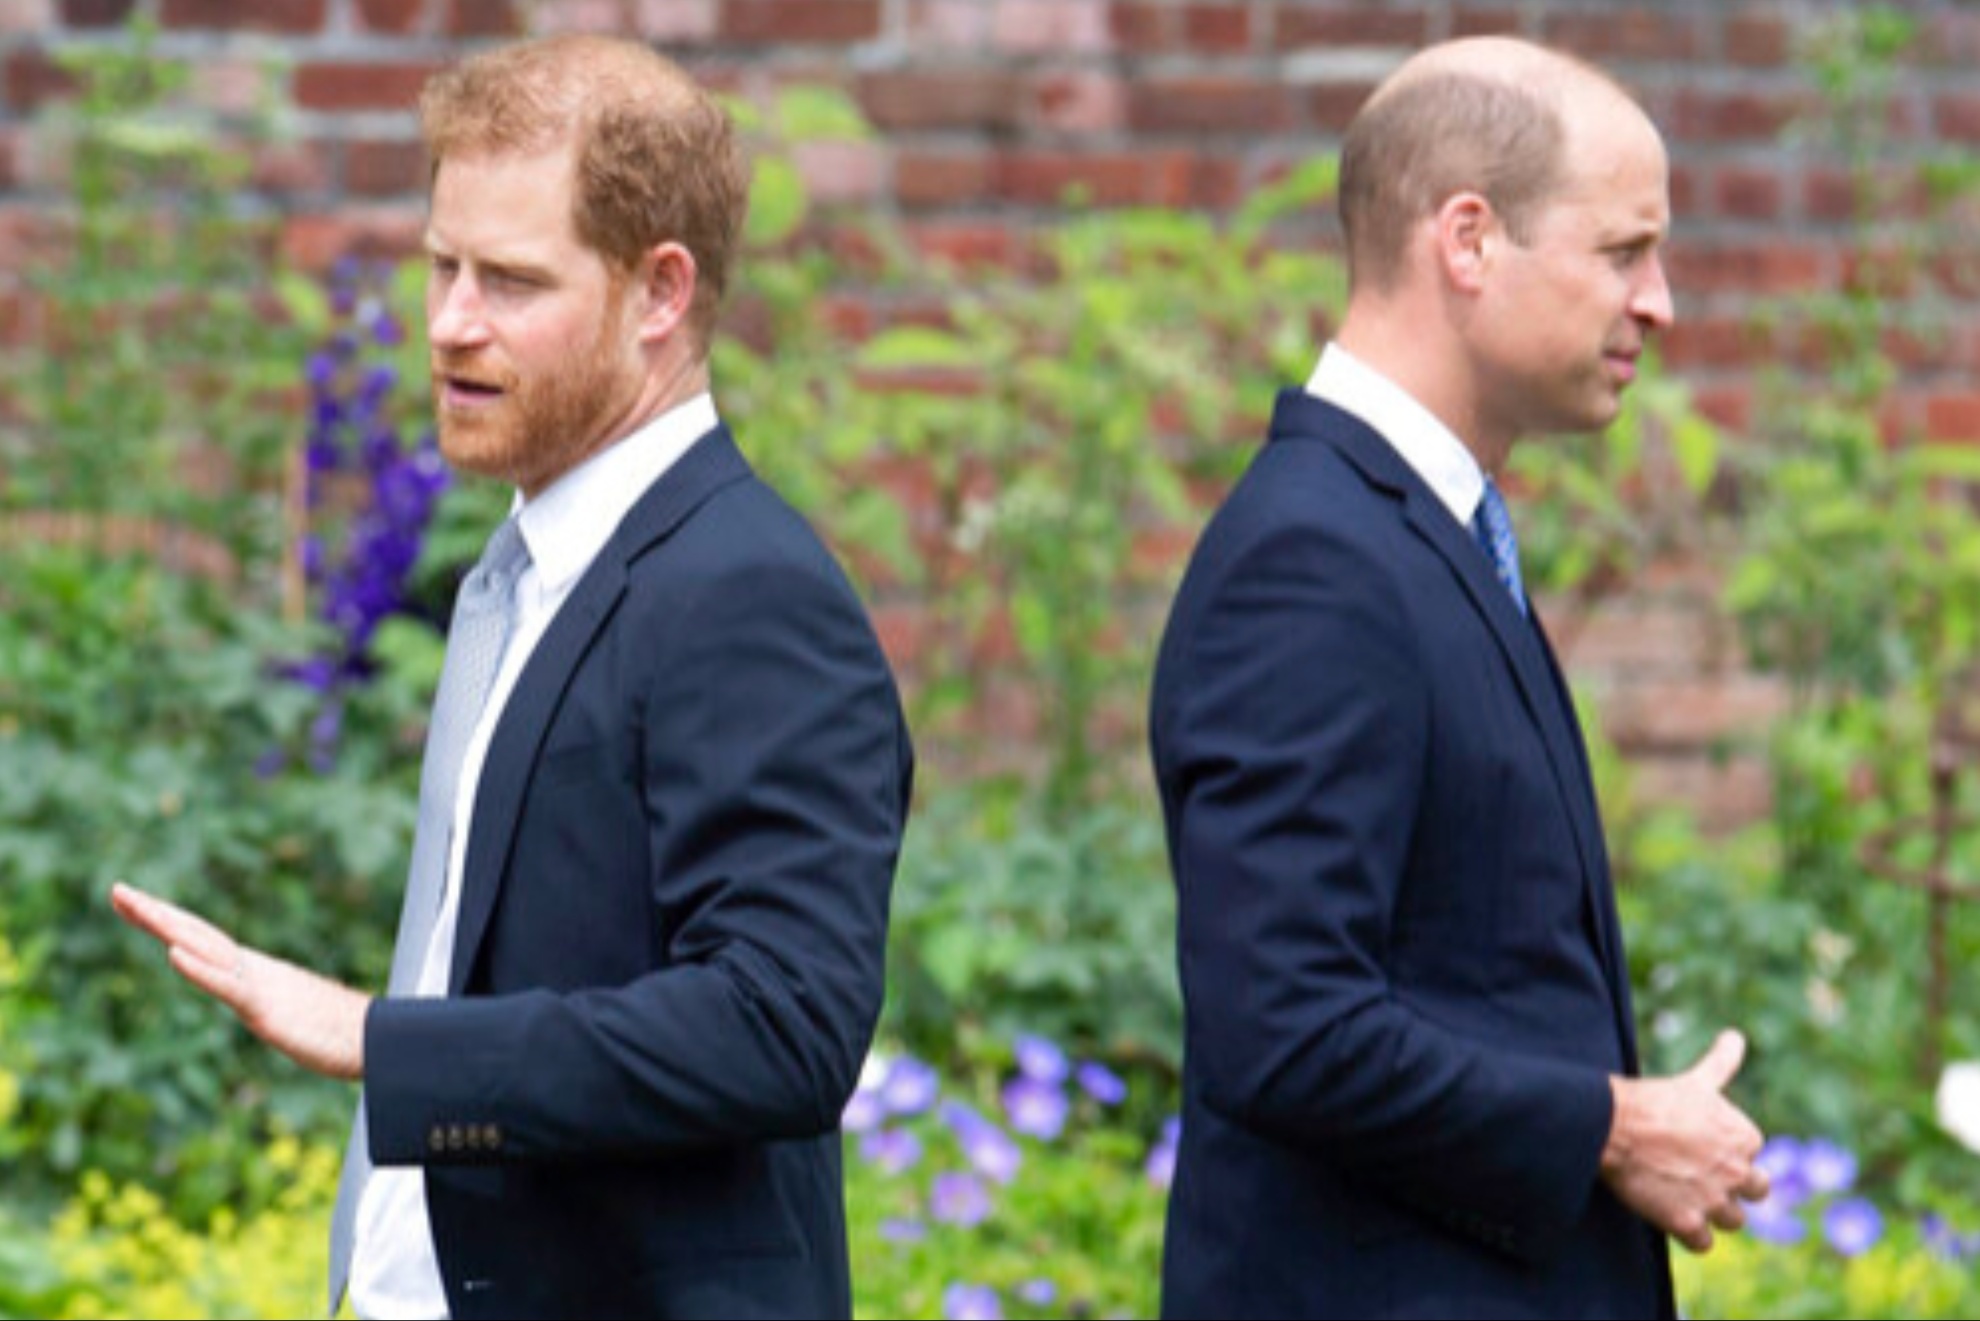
[[669, 959], [1404, 984]]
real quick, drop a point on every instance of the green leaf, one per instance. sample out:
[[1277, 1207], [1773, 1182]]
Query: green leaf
[[777, 202]]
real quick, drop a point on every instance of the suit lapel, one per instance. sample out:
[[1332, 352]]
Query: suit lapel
[[710, 464], [1520, 640]]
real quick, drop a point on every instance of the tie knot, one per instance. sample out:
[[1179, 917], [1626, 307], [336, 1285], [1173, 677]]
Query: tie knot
[[502, 560]]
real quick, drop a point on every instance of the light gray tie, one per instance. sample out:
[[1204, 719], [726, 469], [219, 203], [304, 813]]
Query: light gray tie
[[484, 613]]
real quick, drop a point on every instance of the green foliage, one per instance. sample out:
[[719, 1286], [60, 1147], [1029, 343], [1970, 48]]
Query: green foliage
[[157, 350], [1901, 1276], [1004, 922]]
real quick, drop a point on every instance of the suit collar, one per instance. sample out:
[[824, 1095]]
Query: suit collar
[[712, 463]]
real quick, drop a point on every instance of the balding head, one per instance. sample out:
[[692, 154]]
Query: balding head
[[656, 157], [1490, 115]]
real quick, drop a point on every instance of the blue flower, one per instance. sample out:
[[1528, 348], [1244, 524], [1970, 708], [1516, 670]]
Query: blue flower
[[910, 1086], [1161, 1164], [958, 1199], [1945, 1242], [864, 1111], [892, 1149], [1852, 1226], [971, 1302], [903, 1229], [1035, 1107], [1781, 1160], [1775, 1220], [1827, 1166], [1037, 1292], [1101, 1083], [1040, 1059], [989, 1150]]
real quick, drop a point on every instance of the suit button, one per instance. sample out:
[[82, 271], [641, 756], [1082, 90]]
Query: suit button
[[455, 1138], [436, 1138], [492, 1137]]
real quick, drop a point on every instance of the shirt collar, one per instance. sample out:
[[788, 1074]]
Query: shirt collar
[[1429, 447], [567, 525]]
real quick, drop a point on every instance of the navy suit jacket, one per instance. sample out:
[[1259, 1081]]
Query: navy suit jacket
[[669, 959], [1403, 979]]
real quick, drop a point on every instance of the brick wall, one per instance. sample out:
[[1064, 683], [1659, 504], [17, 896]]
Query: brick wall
[[991, 109]]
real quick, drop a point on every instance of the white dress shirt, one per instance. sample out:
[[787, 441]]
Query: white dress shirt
[[394, 1273], [1413, 431]]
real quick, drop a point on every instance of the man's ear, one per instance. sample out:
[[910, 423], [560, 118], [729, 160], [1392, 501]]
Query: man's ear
[[1467, 230], [666, 276]]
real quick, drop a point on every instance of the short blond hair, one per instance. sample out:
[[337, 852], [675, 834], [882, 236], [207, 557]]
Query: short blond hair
[[657, 158]]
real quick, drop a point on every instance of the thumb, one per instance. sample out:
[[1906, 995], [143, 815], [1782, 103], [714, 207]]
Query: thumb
[[1717, 1066]]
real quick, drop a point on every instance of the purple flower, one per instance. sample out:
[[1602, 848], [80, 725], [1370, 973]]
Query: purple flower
[[1037, 1292], [1852, 1226], [1945, 1242], [1040, 1059], [1035, 1108], [989, 1150], [1827, 1166], [971, 1302], [903, 1229], [864, 1111], [1161, 1163], [892, 1149], [1781, 1160], [1775, 1220], [958, 1199], [910, 1086], [1101, 1083]]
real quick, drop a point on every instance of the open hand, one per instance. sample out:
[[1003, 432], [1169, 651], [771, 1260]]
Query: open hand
[[314, 1021]]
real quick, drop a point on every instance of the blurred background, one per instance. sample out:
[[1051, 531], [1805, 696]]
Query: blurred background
[[1022, 278]]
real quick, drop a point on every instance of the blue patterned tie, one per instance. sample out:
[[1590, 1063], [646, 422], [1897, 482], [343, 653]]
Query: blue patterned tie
[[1494, 530], [484, 613]]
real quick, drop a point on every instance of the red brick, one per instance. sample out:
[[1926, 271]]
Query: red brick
[[1141, 28], [1748, 193], [799, 21], [1049, 27], [484, 18], [1332, 106], [1953, 415], [937, 178], [1829, 193], [937, 99], [315, 242], [232, 15], [96, 13], [1694, 711], [374, 169], [971, 244], [1956, 115], [1208, 105], [1051, 177], [1079, 101], [1685, 190], [1768, 267], [1712, 341], [1758, 41], [1950, 40], [1346, 25], [838, 172], [1486, 21], [360, 86], [1217, 29], [1737, 116], [603, 17], [291, 168], [1630, 34], [390, 15], [33, 79], [1729, 405], [675, 21]]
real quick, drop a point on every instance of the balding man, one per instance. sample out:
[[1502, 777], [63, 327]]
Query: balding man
[[641, 955], [1409, 1082]]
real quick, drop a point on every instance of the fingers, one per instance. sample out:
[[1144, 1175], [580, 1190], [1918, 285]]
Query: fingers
[[200, 952], [1755, 1186], [1718, 1065]]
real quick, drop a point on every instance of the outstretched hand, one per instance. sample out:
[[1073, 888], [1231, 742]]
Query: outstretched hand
[[316, 1022], [1680, 1154]]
